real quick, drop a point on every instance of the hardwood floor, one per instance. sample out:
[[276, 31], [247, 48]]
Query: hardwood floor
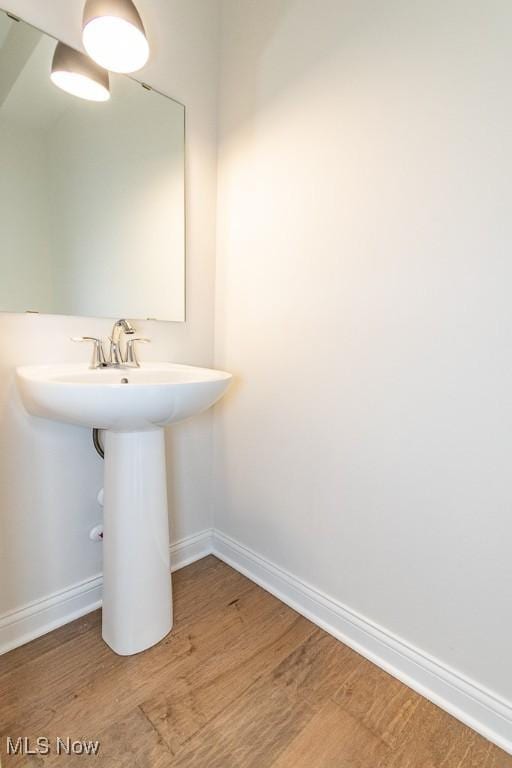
[[242, 682]]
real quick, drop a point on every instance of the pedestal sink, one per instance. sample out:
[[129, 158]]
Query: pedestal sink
[[133, 406]]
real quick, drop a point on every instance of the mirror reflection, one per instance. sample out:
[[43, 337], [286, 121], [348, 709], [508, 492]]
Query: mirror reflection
[[92, 216]]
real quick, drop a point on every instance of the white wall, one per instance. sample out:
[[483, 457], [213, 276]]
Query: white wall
[[363, 304], [49, 474]]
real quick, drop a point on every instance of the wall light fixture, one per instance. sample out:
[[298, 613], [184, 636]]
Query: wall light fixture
[[113, 35]]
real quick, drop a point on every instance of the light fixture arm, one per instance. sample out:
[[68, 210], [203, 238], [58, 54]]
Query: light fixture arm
[[121, 9]]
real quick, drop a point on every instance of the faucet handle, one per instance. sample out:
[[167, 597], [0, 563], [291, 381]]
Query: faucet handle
[[98, 356], [131, 351]]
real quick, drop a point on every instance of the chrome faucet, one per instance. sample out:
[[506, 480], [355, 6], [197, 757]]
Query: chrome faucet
[[116, 358], [116, 355]]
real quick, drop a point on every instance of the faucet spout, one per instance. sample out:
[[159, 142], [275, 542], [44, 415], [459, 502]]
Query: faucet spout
[[120, 327]]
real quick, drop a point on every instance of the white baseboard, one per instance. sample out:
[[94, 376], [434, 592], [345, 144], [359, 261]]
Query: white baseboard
[[191, 548], [464, 699], [41, 616]]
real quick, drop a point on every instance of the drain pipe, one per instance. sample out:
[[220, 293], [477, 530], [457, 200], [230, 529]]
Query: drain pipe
[[97, 444]]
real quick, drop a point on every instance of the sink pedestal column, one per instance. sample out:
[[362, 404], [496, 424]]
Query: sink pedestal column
[[137, 609]]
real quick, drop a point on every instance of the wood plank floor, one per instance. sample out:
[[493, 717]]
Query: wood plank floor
[[242, 682]]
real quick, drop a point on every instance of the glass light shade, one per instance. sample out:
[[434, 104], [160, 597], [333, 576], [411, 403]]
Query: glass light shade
[[113, 35], [76, 74]]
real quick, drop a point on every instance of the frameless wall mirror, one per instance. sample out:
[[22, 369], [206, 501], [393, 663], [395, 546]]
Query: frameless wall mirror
[[92, 203]]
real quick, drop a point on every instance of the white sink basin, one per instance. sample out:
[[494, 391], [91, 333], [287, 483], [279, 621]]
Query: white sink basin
[[137, 600], [156, 394]]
